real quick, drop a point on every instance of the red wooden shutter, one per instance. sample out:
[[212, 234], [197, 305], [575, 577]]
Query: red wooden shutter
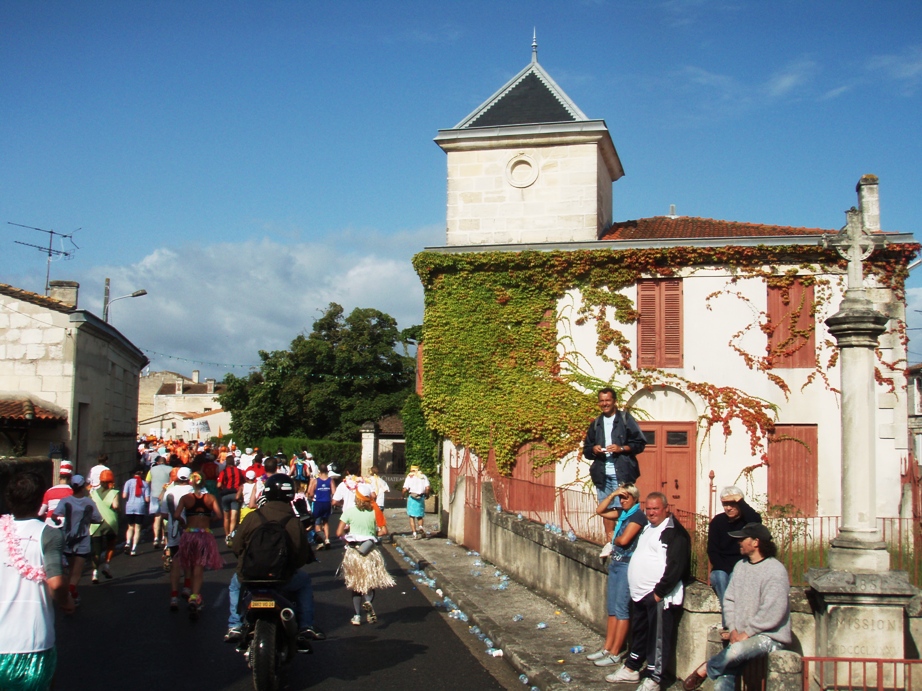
[[646, 326], [792, 468], [801, 299], [672, 323]]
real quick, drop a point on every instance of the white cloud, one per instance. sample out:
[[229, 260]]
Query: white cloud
[[903, 68], [790, 79], [222, 303]]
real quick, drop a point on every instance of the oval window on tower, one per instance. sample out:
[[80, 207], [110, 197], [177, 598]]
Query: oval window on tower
[[521, 171]]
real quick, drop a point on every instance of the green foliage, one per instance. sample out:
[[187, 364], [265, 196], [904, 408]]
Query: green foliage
[[496, 376], [346, 372], [422, 444], [324, 451]]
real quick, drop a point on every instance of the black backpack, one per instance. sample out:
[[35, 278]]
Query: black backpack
[[268, 553]]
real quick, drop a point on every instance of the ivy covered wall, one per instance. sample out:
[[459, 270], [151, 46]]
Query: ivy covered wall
[[497, 375]]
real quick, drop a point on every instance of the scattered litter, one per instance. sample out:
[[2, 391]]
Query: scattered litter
[[472, 553], [475, 573], [518, 617], [565, 677], [474, 629], [519, 517], [571, 536], [499, 508], [577, 649], [523, 678], [494, 652], [488, 642], [541, 625]]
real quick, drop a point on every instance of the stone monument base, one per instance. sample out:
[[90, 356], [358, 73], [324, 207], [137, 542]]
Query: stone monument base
[[860, 615]]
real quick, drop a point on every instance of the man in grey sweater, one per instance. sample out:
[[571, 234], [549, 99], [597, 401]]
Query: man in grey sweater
[[756, 607]]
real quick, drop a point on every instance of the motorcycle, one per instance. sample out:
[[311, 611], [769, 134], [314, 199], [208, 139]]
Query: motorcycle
[[270, 631]]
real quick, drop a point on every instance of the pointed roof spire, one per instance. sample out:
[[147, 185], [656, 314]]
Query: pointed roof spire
[[534, 45]]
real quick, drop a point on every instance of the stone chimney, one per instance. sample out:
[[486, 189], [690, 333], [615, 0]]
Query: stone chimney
[[195, 376], [179, 387], [869, 202], [209, 386], [65, 291]]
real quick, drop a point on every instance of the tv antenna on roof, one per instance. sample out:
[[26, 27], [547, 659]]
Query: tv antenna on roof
[[50, 251]]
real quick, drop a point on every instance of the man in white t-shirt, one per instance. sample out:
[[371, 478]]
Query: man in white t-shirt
[[344, 496], [661, 561], [96, 470], [168, 505], [246, 460], [27, 655]]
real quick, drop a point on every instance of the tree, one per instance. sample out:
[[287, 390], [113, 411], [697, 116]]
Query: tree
[[347, 371]]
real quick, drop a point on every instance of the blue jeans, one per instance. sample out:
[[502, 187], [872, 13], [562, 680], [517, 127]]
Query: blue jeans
[[719, 582], [724, 667], [299, 587], [611, 484]]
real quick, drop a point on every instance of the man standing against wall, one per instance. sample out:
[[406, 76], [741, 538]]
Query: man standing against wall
[[659, 565], [612, 444], [757, 610]]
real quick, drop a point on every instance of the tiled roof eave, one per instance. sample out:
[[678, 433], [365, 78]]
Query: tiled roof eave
[[770, 241]]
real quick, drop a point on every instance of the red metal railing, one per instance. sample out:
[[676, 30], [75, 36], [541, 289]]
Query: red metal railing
[[861, 674]]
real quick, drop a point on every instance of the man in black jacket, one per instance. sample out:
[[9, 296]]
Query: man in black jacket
[[612, 444], [723, 550]]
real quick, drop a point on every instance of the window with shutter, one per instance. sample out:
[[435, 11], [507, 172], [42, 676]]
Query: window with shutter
[[659, 329], [792, 343]]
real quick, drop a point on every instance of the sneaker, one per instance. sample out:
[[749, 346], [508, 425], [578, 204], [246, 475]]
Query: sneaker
[[609, 660], [105, 570], [196, 602], [76, 600], [415, 535], [624, 675], [356, 620], [648, 685], [313, 633], [174, 604], [597, 655], [95, 578], [133, 552], [234, 634], [372, 617], [185, 593], [326, 543]]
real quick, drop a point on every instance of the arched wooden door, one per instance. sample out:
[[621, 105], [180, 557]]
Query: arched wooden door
[[667, 465]]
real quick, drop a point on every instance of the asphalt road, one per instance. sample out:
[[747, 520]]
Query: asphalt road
[[123, 636]]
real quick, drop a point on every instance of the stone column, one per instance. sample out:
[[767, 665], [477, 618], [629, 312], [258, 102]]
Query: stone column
[[856, 327], [369, 447], [858, 602]]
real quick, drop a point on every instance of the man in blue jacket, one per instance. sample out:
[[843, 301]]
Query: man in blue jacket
[[612, 444]]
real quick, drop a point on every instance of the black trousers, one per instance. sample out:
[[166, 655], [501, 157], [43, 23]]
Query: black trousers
[[652, 636]]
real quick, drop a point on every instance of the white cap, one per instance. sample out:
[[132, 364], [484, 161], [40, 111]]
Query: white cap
[[183, 473]]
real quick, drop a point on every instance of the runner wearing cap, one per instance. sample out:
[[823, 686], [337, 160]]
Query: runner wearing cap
[[78, 512], [171, 498], [55, 494]]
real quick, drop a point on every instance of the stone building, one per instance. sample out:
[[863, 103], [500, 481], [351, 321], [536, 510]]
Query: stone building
[[738, 307], [182, 407], [68, 380]]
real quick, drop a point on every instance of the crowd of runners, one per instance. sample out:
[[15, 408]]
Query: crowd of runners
[[180, 489]]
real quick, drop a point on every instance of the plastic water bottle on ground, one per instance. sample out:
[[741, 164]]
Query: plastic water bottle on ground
[[571, 536], [518, 617], [499, 508], [474, 630], [577, 649], [565, 677], [541, 625], [488, 642], [523, 678]]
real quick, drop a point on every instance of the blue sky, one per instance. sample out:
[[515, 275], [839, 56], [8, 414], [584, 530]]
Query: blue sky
[[248, 162]]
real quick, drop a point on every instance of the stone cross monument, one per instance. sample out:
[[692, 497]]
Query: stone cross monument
[[858, 601]]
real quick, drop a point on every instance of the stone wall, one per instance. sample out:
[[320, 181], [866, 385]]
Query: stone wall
[[572, 575], [527, 194]]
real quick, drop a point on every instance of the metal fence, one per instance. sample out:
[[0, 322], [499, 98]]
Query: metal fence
[[861, 674], [802, 541]]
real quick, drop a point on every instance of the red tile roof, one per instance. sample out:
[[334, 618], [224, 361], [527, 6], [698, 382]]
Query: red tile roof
[[35, 298], [669, 228], [391, 425], [22, 408]]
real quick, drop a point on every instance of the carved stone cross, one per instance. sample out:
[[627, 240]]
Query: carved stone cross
[[854, 243]]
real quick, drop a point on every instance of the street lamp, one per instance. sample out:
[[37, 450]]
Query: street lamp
[[106, 301]]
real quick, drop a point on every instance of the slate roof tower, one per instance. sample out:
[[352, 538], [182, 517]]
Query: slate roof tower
[[527, 166]]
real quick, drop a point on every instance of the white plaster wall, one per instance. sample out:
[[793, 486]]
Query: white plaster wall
[[188, 403], [708, 358], [568, 201]]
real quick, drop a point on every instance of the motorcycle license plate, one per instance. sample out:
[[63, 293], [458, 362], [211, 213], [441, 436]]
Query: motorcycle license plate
[[262, 604]]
